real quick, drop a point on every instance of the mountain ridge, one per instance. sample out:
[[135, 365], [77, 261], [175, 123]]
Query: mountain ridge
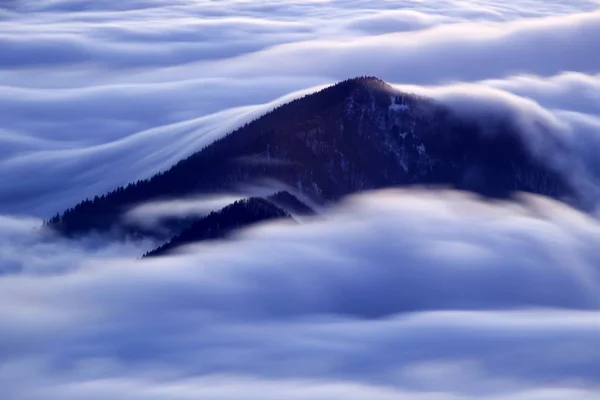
[[219, 224], [356, 135]]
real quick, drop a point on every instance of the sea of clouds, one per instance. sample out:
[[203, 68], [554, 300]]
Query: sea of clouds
[[391, 295]]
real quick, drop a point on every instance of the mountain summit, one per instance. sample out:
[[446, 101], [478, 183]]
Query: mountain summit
[[356, 135]]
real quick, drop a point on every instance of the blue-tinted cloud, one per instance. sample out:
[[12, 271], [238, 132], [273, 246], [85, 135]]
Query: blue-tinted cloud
[[391, 294], [396, 295]]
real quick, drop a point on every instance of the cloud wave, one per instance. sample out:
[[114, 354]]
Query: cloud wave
[[502, 302]]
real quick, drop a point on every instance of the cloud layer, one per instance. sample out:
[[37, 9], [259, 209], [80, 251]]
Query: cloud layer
[[391, 295], [372, 301]]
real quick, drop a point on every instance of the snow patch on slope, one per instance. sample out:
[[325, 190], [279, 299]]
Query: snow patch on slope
[[397, 107]]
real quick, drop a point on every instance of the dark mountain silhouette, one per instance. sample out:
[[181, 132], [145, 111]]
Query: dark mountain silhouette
[[356, 135], [219, 224]]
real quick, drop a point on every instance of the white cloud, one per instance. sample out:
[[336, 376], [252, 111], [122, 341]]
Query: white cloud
[[393, 292], [151, 213]]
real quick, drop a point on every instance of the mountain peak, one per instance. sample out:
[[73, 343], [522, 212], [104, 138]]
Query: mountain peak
[[366, 82], [359, 134]]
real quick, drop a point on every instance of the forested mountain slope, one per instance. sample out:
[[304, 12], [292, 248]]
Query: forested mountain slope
[[356, 135]]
